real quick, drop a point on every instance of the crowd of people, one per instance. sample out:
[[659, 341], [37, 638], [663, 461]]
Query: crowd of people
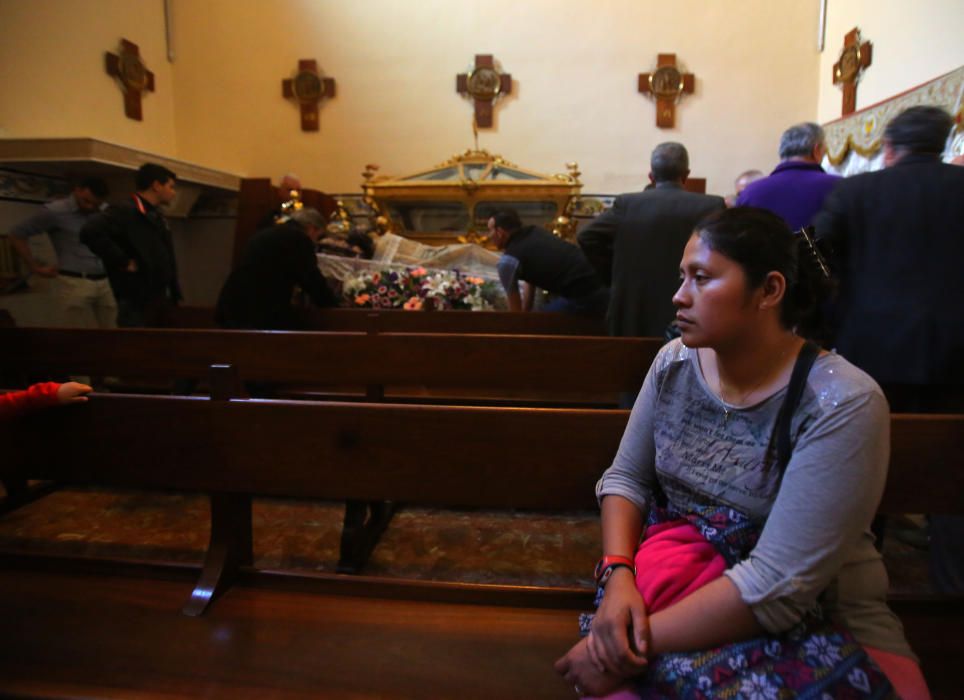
[[736, 515]]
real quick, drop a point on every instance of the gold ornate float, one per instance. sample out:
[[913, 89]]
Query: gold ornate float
[[451, 202]]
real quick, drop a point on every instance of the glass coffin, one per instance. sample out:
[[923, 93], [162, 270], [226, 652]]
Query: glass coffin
[[452, 202]]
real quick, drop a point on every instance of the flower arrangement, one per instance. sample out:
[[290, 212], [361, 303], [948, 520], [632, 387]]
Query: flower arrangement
[[415, 289]]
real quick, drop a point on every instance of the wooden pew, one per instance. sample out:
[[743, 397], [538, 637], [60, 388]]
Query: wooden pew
[[473, 369], [396, 321], [523, 369], [433, 455]]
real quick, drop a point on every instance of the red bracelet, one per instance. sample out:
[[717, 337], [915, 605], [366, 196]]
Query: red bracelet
[[608, 564]]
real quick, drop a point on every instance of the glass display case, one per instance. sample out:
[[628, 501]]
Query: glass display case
[[451, 202]]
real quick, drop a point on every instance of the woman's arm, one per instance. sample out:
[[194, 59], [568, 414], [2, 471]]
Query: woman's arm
[[618, 642], [619, 637], [828, 497], [712, 616]]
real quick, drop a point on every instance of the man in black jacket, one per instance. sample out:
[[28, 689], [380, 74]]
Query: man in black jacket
[[897, 237], [638, 243], [897, 240], [258, 292], [135, 244]]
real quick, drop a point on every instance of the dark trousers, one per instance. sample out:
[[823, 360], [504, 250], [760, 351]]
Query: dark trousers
[[946, 548]]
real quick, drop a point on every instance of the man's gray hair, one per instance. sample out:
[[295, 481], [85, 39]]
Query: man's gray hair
[[669, 162], [800, 140], [309, 217]]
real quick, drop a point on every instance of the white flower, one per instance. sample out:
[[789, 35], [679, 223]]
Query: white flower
[[758, 687], [680, 665], [858, 679], [825, 651]]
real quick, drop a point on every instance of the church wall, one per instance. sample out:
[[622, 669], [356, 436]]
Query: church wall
[[913, 43], [55, 83], [202, 248], [574, 65]]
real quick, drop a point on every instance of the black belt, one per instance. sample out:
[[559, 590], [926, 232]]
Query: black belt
[[82, 275]]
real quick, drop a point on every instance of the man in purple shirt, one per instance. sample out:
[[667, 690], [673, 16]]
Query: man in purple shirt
[[795, 190]]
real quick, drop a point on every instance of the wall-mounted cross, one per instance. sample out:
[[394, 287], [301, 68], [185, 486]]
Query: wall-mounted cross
[[308, 87], [128, 68], [854, 59], [484, 84], [666, 84]]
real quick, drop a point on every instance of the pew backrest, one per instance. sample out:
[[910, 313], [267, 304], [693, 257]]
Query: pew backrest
[[431, 455], [397, 321], [530, 363]]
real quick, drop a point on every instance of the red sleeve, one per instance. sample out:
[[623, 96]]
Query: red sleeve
[[38, 396]]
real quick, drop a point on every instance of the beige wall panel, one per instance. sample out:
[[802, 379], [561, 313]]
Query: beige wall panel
[[54, 83], [574, 65]]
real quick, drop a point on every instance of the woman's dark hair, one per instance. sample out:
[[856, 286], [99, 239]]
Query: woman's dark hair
[[761, 242], [507, 219]]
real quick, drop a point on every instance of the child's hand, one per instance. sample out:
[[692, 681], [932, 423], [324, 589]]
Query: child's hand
[[72, 392]]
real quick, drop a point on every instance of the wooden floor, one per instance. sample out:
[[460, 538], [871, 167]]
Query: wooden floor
[[114, 636]]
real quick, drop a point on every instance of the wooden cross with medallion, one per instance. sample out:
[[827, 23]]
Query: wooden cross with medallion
[[127, 66], [666, 84], [308, 87], [854, 58], [484, 84]]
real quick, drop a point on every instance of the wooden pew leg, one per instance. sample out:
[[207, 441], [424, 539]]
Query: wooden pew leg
[[19, 493], [359, 536], [230, 549]]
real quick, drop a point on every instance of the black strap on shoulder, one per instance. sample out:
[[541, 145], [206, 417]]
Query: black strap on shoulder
[[798, 381]]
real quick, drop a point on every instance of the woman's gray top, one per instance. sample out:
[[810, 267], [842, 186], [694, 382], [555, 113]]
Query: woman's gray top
[[816, 543]]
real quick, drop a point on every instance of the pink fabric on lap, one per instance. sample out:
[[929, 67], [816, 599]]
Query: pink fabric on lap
[[903, 673], [673, 561]]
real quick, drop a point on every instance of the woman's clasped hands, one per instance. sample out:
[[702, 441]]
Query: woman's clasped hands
[[616, 649]]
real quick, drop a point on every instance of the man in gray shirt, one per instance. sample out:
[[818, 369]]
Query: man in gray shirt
[[80, 289]]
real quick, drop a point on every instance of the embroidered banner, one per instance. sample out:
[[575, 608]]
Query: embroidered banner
[[863, 131]]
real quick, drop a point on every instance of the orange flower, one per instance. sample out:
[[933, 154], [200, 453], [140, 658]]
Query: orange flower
[[474, 280], [413, 304], [362, 299], [419, 272]]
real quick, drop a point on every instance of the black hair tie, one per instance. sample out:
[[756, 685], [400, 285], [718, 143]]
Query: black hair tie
[[806, 234]]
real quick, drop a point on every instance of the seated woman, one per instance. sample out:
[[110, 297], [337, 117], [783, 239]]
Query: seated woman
[[736, 514]]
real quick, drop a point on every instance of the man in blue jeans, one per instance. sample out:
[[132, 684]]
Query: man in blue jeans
[[533, 256]]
